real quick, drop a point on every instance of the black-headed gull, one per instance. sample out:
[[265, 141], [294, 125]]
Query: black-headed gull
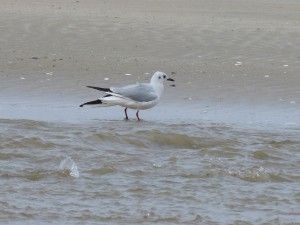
[[136, 96]]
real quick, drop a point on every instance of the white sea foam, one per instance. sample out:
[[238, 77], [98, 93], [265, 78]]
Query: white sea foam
[[69, 165]]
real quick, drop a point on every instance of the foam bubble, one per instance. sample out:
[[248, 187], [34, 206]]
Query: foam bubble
[[238, 63]]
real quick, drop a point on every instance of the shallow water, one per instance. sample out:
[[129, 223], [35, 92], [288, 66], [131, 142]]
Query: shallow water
[[124, 172], [221, 148]]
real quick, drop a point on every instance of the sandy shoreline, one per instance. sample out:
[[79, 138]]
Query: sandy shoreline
[[242, 53]]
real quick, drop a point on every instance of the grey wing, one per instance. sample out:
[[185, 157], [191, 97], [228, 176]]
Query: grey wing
[[137, 92]]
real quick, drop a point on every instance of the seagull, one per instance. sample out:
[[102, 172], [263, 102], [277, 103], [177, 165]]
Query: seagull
[[137, 96]]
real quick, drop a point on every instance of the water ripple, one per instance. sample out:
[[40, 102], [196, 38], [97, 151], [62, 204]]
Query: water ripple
[[124, 172]]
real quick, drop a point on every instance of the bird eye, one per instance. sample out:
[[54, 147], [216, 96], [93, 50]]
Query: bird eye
[[164, 76], [159, 77]]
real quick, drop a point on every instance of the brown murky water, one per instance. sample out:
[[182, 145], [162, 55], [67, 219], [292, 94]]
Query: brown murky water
[[152, 172]]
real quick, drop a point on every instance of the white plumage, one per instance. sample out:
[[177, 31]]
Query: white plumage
[[136, 96]]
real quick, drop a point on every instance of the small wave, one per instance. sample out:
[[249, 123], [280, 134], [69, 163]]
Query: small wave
[[29, 174], [35, 175], [29, 143], [150, 138], [103, 170], [172, 139], [260, 155], [253, 174], [156, 218]]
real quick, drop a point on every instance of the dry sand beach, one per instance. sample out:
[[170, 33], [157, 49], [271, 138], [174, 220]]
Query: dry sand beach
[[222, 147]]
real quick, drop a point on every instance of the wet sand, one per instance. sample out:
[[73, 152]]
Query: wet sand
[[238, 55]]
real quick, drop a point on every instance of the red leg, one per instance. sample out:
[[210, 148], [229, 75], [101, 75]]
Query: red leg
[[137, 115], [126, 118]]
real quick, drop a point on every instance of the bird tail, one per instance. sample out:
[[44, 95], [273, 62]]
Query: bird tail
[[100, 89], [98, 101]]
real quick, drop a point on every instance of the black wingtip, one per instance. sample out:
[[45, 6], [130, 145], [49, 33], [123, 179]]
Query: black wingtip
[[98, 101]]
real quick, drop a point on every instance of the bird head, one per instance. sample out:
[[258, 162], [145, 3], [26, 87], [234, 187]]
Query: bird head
[[160, 77]]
